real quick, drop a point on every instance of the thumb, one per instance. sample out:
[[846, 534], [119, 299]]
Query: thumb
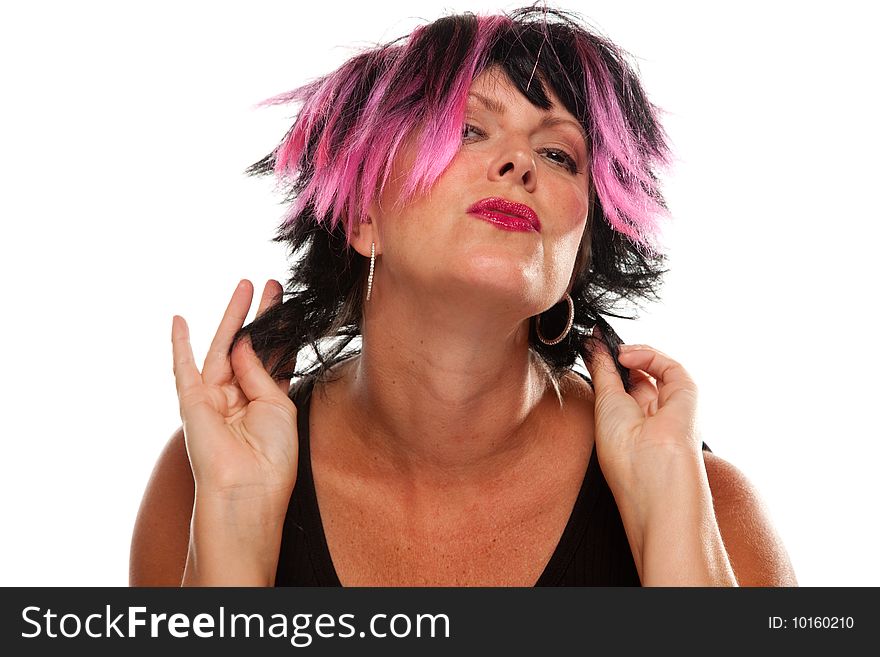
[[600, 365], [614, 406], [250, 374]]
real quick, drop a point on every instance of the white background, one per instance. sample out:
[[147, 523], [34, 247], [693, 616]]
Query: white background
[[125, 131]]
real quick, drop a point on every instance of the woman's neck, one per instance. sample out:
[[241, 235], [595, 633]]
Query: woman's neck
[[439, 398]]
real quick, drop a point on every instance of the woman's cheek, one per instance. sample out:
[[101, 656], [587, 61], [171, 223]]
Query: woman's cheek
[[577, 211]]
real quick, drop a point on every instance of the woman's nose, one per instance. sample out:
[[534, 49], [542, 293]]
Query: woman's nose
[[516, 165]]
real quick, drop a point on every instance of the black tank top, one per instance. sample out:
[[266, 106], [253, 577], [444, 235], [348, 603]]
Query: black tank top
[[593, 549]]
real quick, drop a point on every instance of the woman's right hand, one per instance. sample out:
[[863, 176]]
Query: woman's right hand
[[239, 424]]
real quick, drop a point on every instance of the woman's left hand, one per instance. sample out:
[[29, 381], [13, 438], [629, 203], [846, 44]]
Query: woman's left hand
[[637, 432]]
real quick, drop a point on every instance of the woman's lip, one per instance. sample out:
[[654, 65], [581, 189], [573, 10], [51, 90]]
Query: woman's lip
[[509, 213], [505, 221]]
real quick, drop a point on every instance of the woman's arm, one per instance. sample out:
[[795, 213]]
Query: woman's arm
[[161, 531], [670, 524], [181, 541], [703, 525], [240, 436], [690, 519], [755, 549]]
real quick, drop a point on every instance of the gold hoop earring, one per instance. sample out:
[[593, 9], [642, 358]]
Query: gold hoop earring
[[568, 325], [372, 267]]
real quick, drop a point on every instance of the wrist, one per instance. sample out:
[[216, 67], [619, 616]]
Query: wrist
[[233, 544], [652, 485], [666, 499]]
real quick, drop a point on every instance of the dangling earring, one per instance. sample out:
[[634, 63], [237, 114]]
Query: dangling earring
[[560, 338], [372, 267]]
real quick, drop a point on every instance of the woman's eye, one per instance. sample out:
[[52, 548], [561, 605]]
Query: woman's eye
[[562, 158], [471, 132], [558, 156]]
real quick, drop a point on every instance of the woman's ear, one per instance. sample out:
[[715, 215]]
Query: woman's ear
[[362, 237]]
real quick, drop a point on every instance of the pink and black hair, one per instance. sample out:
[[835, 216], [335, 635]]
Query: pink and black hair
[[335, 159]]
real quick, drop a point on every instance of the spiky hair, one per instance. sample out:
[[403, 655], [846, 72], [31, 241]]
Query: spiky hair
[[337, 156], [335, 160]]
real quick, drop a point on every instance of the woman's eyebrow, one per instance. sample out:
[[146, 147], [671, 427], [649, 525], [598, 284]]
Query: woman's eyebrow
[[548, 121], [489, 103]]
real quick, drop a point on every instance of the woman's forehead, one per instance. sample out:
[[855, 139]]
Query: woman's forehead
[[494, 89]]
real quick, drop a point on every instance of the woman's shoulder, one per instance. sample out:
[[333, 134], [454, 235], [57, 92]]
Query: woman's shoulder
[[577, 383], [753, 544], [573, 392]]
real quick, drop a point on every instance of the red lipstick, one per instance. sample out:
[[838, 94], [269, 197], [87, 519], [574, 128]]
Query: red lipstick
[[505, 214]]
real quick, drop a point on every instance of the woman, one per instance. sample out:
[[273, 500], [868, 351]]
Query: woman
[[469, 201]]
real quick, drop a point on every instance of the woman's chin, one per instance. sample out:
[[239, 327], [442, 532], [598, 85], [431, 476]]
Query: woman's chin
[[496, 284]]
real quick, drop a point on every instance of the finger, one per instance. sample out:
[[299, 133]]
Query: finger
[[217, 368], [644, 390], [186, 374], [601, 366], [199, 411], [612, 400], [675, 387], [273, 294], [252, 377]]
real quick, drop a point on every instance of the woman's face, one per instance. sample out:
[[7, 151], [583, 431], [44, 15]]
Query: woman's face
[[511, 150]]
